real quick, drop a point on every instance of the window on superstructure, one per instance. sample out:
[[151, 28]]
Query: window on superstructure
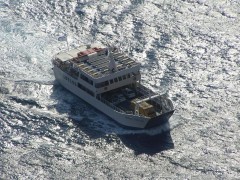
[[85, 78], [128, 76], [90, 82], [99, 85], [85, 89], [106, 83], [111, 81], [124, 77], [120, 78], [115, 80], [102, 84]]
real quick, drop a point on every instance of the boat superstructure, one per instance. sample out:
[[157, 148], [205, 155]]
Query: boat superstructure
[[110, 81]]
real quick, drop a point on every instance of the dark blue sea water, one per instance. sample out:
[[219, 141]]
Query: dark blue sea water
[[188, 49]]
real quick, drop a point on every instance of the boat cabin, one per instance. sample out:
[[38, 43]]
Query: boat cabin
[[98, 69]]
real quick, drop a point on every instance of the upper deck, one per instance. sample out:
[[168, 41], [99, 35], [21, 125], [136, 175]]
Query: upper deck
[[93, 61]]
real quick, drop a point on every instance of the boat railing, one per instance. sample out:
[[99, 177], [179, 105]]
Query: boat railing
[[145, 91], [114, 107], [162, 101], [111, 105], [71, 71]]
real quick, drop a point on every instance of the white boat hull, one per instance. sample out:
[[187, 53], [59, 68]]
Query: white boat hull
[[128, 120]]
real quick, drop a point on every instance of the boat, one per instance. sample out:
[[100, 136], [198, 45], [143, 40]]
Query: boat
[[110, 81]]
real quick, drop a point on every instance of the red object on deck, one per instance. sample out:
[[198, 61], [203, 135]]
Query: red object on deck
[[89, 51], [96, 49], [86, 52]]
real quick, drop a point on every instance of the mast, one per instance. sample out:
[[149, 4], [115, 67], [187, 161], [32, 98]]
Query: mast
[[112, 64]]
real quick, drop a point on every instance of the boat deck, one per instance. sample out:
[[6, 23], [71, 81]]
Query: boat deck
[[98, 66], [140, 93], [94, 60]]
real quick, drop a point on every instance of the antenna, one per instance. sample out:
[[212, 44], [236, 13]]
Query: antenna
[[112, 64]]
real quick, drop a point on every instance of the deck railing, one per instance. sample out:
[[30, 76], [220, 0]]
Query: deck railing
[[66, 68], [113, 106], [145, 91]]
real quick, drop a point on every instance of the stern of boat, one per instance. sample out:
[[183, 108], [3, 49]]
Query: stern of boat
[[159, 120]]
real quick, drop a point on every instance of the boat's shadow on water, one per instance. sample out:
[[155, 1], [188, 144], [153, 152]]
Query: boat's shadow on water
[[141, 142], [148, 144]]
